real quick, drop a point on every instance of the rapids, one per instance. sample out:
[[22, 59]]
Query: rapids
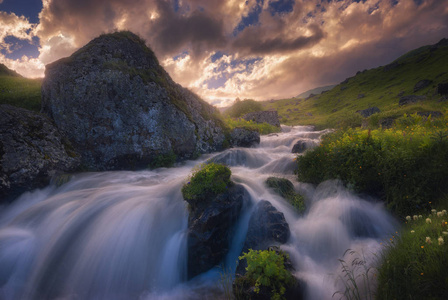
[[122, 235]]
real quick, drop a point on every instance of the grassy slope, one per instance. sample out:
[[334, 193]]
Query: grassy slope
[[19, 91], [381, 88]]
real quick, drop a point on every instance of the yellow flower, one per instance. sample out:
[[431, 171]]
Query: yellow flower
[[422, 247]]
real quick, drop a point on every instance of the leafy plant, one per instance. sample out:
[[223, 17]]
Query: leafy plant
[[206, 181], [415, 262], [266, 268]]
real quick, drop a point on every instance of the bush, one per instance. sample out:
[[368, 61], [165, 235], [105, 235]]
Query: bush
[[403, 167], [207, 181], [240, 108], [415, 262], [261, 128], [266, 268]]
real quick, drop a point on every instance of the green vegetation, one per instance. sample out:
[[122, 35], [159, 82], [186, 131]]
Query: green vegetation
[[166, 160], [285, 188], [267, 269], [415, 261], [242, 107], [261, 128], [207, 181], [404, 166], [19, 91], [380, 87]]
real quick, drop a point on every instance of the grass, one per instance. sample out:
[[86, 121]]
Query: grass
[[378, 87], [262, 128], [415, 262], [404, 166], [20, 92]]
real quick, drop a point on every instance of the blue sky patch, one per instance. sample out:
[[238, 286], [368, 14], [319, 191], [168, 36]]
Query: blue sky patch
[[27, 8], [21, 47], [251, 19]]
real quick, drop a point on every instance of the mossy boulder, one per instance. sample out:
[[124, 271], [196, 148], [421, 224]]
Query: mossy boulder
[[285, 189], [121, 110], [215, 204]]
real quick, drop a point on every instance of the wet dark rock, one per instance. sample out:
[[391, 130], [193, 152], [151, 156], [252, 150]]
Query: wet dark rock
[[31, 152], [284, 188], [404, 100], [442, 89], [242, 137], [386, 123], [422, 84], [267, 227], [121, 110], [270, 117], [369, 111], [299, 147], [210, 228]]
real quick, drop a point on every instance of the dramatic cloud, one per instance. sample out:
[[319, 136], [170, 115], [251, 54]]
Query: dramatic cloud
[[259, 49]]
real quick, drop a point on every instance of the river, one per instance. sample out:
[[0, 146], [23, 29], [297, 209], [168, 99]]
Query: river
[[122, 235]]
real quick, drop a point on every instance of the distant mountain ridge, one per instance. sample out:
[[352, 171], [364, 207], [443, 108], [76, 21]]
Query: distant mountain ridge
[[5, 71], [315, 91]]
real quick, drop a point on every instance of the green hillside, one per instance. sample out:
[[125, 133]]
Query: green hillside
[[315, 91], [19, 91], [381, 87]]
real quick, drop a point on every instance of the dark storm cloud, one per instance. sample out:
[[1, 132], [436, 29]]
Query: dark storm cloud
[[175, 31], [254, 41]]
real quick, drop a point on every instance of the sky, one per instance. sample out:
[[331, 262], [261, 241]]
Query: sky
[[228, 49]]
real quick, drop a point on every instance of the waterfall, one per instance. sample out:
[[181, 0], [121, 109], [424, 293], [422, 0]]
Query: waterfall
[[122, 235]]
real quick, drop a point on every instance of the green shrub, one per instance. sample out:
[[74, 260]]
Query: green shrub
[[207, 181], [240, 108], [403, 167], [266, 268], [415, 262], [261, 128], [166, 160]]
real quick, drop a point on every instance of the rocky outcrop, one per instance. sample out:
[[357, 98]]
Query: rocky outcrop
[[31, 151], [242, 137], [369, 111], [211, 226], [386, 123], [404, 100], [422, 84], [120, 108], [285, 189], [302, 145], [270, 117]]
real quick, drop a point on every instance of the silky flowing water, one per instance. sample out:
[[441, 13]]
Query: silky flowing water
[[122, 235]]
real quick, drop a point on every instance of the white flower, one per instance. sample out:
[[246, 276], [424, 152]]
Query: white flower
[[440, 239], [412, 231], [445, 232], [420, 216], [428, 221], [408, 218], [433, 211], [444, 212], [439, 214], [415, 217], [428, 240]]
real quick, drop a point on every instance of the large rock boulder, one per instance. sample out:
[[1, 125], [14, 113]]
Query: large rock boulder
[[422, 84], [242, 137], [369, 111], [120, 108], [270, 117], [442, 89], [211, 226], [31, 151]]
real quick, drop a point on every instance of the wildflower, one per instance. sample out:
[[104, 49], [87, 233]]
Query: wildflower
[[440, 239], [433, 211], [422, 247], [408, 218], [420, 216], [421, 273], [428, 221], [428, 240], [415, 217], [445, 232], [444, 212], [439, 214], [412, 231]]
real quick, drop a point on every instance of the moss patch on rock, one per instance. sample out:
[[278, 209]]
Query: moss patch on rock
[[285, 188]]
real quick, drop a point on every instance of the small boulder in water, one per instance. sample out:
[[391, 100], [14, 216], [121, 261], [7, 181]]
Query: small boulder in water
[[299, 147], [285, 189], [267, 227], [242, 137]]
